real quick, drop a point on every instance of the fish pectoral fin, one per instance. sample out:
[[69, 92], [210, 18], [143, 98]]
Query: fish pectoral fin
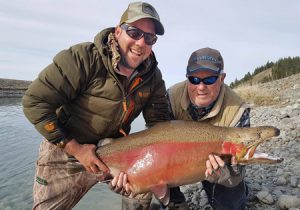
[[161, 192]]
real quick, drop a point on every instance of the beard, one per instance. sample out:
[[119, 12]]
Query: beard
[[123, 62], [126, 57]]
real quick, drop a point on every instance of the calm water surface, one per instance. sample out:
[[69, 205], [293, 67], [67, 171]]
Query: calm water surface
[[18, 152]]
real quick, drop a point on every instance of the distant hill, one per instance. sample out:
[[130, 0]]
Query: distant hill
[[14, 84], [13, 88], [280, 92], [261, 77], [270, 71]]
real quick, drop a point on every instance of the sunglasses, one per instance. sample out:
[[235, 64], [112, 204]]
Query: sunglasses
[[137, 34], [207, 80]]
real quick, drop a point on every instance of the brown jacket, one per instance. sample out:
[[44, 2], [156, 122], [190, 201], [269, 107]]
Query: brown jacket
[[227, 110], [79, 95]]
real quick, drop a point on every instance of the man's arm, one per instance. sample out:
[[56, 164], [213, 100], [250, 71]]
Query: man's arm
[[58, 84], [157, 108], [227, 175]]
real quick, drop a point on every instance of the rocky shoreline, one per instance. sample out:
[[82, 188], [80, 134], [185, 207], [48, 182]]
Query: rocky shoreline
[[276, 186], [11, 93]]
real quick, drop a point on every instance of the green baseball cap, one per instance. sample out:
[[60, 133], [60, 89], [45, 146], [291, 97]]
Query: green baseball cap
[[140, 10]]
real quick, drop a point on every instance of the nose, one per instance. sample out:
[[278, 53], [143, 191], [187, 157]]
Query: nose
[[201, 86]]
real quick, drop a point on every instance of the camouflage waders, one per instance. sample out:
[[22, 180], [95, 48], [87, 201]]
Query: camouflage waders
[[139, 202], [54, 186]]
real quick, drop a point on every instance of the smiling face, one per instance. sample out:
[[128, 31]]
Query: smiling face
[[134, 52], [201, 94]]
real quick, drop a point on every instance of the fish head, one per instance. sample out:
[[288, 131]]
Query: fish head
[[244, 146]]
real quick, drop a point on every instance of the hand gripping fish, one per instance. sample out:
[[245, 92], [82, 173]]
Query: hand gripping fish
[[174, 153]]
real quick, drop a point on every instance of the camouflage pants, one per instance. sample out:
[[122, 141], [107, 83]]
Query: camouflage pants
[[55, 187], [139, 202], [60, 185]]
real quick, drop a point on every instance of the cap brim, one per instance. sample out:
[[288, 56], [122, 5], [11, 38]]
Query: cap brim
[[200, 69], [159, 28]]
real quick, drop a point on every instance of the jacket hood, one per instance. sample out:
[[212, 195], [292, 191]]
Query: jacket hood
[[101, 39]]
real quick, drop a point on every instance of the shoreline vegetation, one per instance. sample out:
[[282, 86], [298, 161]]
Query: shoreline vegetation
[[10, 88], [284, 67]]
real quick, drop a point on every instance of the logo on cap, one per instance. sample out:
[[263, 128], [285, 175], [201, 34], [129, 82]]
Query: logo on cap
[[204, 58], [148, 9]]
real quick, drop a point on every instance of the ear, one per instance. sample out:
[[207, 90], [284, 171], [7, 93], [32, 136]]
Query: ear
[[118, 31], [223, 77]]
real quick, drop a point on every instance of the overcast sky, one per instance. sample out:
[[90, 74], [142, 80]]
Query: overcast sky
[[248, 33]]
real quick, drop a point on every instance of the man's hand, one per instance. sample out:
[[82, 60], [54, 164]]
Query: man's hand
[[120, 185], [213, 163], [86, 155], [218, 172]]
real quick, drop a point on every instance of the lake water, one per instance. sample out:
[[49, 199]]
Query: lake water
[[18, 152]]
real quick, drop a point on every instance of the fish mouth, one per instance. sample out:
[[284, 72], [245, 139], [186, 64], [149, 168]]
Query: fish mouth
[[259, 157], [251, 155], [243, 142]]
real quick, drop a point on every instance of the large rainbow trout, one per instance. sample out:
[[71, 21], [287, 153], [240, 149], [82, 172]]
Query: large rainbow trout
[[174, 153]]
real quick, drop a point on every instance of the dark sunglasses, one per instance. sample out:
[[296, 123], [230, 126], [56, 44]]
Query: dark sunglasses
[[137, 34], [207, 80]]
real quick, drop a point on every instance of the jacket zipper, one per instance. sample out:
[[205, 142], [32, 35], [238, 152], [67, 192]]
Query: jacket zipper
[[125, 116], [124, 102]]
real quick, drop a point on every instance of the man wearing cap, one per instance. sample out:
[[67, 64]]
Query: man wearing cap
[[93, 91], [204, 97]]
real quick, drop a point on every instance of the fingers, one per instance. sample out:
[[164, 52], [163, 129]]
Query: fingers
[[218, 172], [101, 166], [120, 184], [126, 185], [219, 162], [120, 181], [117, 182], [113, 183], [213, 163], [94, 169], [128, 189], [88, 169], [98, 165]]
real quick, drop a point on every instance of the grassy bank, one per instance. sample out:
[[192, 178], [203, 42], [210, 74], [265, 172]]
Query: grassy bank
[[277, 92], [12, 84]]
